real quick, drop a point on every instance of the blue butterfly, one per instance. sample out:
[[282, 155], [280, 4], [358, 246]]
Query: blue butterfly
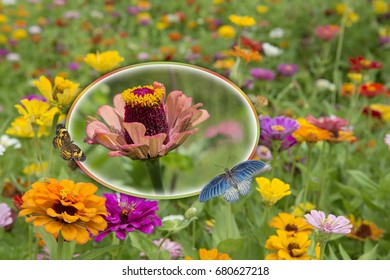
[[234, 182]]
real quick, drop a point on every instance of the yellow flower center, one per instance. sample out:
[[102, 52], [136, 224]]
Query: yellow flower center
[[145, 96], [63, 85], [64, 193], [278, 128]]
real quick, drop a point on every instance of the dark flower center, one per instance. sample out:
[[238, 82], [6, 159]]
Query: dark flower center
[[59, 209], [291, 247], [291, 227], [364, 231], [145, 105]]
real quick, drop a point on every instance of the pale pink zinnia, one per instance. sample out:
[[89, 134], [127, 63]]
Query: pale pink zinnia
[[142, 126], [387, 140], [5, 215], [330, 224], [174, 248], [332, 124]]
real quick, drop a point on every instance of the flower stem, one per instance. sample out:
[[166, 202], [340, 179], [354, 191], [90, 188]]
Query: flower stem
[[308, 173], [30, 242], [153, 167], [60, 244], [322, 249], [336, 79]]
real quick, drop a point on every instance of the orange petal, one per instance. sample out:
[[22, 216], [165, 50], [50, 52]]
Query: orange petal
[[68, 232], [53, 227]]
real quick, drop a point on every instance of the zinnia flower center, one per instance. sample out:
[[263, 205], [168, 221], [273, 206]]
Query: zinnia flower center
[[291, 247], [363, 231], [145, 105], [291, 227], [277, 128], [59, 209]]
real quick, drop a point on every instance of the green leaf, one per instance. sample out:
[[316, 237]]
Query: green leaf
[[332, 255], [363, 180], [50, 242], [225, 224], [68, 250], [175, 225], [231, 245], [370, 255], [91, 255], [144, 244], [344, 253]]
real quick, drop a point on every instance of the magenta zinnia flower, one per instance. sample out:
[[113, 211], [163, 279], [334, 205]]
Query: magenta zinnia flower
[[129, 214], [262, 74], [329, 225], [287, 70], [141, 126], [277, 129]]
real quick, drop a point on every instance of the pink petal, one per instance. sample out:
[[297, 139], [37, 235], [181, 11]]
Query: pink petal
[[136, 131], [136, 151], [111, 141], [119, 105], [156, 144], [93, 126], [110, 117]]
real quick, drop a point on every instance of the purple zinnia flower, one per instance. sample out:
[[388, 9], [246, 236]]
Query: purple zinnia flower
[[287, 70], [330, 224], [73, 66], [133, 10], [34, 97], [4, 52], [5, 215], [129, 214], [277, 129], [262, 74]]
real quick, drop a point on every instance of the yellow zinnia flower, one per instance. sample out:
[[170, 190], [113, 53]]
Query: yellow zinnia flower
[[212, 254], [288, 247], [242, 21], [66, 207], [380, 7], [19, 34], [105, 61], [272, 191], [303, 209], [261, 9], [290, 224], [308, 132], [226, 31], [363, 229], [35, 169], [61, 94], [22, 128], [37, 112]]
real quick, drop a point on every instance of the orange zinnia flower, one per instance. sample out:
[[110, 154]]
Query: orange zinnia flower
[[65, 207], [308, 132], [248, 55], [212, 254], [363, 229]]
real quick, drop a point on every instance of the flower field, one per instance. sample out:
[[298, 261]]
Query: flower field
[[99, 161]]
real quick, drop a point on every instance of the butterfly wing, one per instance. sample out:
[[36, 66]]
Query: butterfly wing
[[231, 195], [215, 187], [243, 174], [77, 153], [62, 137]]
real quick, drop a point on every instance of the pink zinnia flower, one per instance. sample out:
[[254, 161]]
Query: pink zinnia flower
[[332, 124], [387, 140], [327, 32], [229, 129], [174, 248], [141, 126], [5, 215], [330, 224]]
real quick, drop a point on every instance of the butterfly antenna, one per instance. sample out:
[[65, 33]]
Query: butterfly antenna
[[219, 166], [227, 164]]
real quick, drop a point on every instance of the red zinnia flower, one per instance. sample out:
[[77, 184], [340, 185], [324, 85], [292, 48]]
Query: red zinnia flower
[[360, 63], [372, 89]]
